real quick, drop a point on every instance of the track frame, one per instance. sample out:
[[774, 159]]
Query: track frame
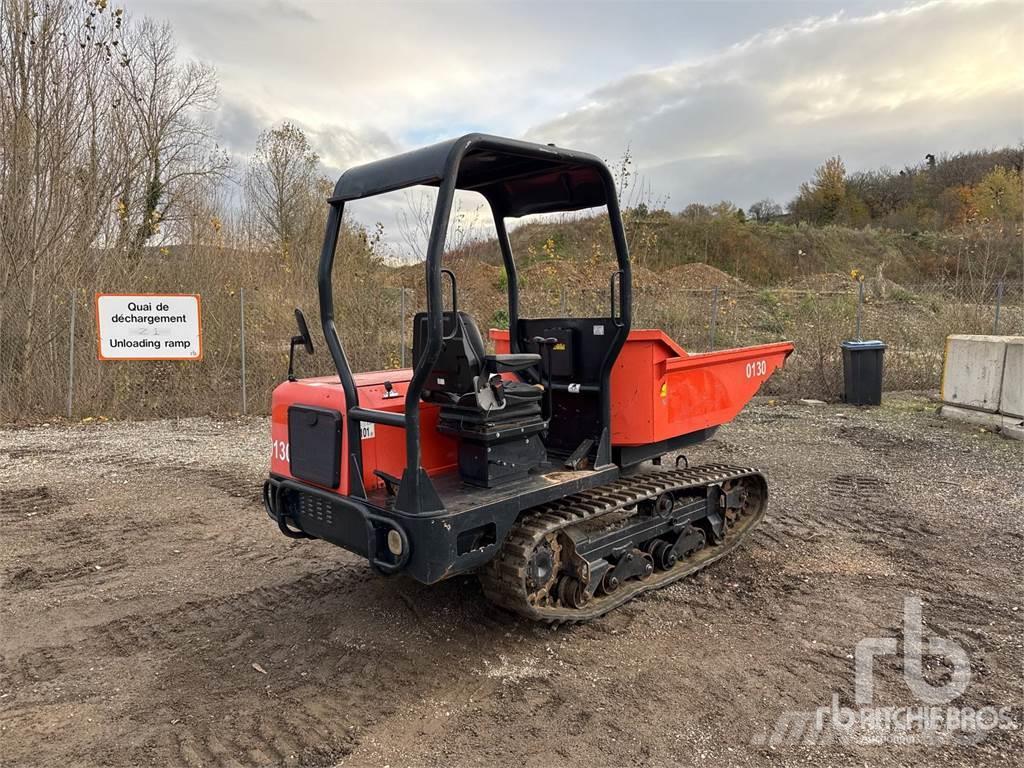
[[505, 581]]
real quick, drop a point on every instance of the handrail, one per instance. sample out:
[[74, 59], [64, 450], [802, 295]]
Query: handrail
[[387, 418]]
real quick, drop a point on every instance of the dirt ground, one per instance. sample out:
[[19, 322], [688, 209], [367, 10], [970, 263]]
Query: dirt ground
[[152, 614]]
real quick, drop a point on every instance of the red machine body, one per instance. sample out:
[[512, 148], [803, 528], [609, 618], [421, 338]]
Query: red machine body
[[658, 392], [383, 446]]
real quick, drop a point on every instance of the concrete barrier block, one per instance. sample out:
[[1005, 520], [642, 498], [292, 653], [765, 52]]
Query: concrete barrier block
[[1008, 426], [992, 421], [1011, 402], [972, 374]]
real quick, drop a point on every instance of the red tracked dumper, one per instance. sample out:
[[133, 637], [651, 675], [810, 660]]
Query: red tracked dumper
[[538, 467]]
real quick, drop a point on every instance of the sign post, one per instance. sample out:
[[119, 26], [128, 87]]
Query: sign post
[[148, 326], [71, 357], [241, 312]]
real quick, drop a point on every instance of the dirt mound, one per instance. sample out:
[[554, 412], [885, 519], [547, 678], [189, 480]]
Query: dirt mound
[[551, 274], [646, 278], [698, 275]]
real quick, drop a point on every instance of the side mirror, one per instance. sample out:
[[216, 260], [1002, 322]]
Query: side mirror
[[303, 338]]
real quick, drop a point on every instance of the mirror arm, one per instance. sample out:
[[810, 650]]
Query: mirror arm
[[303, 338], [296, 340]]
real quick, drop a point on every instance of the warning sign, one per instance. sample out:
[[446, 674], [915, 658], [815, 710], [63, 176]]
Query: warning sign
[[149, 326]]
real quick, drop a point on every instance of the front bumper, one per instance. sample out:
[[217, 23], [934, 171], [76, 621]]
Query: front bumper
[[319, 514], [431, 547]]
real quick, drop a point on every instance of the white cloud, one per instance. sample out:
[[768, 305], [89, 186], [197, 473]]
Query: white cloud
[[734, 100], [755, 117]]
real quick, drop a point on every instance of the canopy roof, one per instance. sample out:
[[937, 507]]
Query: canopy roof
[[516, 177]]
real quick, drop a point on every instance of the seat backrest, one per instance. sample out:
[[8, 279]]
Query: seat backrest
[[472, 334], [461, 356]]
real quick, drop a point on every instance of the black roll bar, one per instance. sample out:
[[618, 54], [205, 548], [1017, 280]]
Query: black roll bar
[[604, 449], [511, 279], [416, 494]]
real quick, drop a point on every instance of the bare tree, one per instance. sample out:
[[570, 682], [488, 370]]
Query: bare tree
[[57, 63], [415, 218], [284, 187], [100, 143], [765, 210], [174, 153], [637, 202]]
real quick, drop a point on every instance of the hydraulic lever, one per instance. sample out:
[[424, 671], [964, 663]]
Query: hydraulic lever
[[545, 345]]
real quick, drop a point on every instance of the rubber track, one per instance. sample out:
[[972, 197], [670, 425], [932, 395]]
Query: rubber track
[[504, 578]]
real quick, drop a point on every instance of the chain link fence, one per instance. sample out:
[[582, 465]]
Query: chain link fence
[[245, 340]]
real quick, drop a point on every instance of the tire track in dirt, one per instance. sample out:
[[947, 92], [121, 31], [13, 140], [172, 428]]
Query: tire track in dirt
[[191, 645], [307, 731], [68, 549], [26, 502], [863, 507], [61, 547], [130, 635], [197, 475], [229, 483]]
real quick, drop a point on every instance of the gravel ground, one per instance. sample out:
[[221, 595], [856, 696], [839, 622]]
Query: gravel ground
[[152, 615]]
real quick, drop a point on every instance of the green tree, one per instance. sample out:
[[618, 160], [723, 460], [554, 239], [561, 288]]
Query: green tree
[[830, 187], [997, 198], [821, 200]]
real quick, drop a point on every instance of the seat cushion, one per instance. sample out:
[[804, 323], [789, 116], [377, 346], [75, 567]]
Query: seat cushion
[[522, 390], [506, 424]]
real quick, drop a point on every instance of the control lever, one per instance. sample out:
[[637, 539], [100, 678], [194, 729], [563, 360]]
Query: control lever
[[545, 345], [490, 392], [497, 385]]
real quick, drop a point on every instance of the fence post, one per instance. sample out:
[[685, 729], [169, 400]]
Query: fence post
[[71, 356], [999, 301], [860, 305], [401, 328], [714, 318], [564, 312], [241, 310]]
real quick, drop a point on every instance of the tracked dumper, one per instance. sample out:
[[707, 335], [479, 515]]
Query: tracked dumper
[[538, 467]]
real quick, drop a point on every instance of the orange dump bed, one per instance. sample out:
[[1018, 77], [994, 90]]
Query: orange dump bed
[[659, 391]]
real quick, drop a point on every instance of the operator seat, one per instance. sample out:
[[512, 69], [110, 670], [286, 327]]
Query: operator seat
[[497, 421], [455, 377]]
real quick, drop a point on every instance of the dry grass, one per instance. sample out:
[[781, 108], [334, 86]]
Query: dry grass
[[913, 323]]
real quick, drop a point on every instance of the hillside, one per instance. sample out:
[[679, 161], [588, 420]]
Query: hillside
[[950, 218], [769, 254]]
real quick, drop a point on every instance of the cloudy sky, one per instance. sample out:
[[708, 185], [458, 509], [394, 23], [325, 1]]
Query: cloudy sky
[[717, 100]]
